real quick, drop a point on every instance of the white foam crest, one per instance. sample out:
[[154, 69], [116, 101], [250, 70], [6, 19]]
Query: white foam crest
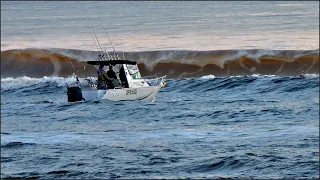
[[208, 77], [256, 55], [80, 55], [260, 53], [252, 55], [191, 57], [16, 83], [311, 76], [262, 75], [21, 82], [254, 75]]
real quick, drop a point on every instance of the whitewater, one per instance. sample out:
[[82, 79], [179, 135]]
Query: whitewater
[[241, 99]]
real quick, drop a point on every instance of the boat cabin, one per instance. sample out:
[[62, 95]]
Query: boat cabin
[[128, 75]]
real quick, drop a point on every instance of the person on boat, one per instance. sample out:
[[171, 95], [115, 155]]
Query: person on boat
[[112, 80], [111, 74], [102, 77], [123, 78]]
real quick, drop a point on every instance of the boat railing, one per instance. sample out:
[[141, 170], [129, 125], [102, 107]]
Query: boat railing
[[150, 77], [157, 81]]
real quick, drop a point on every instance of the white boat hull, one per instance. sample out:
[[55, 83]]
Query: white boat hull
[[147, 94]]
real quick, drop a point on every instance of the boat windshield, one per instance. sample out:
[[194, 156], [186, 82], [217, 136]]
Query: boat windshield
[[134, 71]]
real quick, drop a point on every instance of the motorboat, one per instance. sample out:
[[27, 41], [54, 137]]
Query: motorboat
[[133, 88]]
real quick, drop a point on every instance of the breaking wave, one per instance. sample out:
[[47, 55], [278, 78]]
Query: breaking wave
[[267, 83], [174, 63]]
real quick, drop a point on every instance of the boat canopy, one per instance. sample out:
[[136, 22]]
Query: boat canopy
[[112, 62]]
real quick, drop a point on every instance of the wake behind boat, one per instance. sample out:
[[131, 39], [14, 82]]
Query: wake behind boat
[[125, 85]]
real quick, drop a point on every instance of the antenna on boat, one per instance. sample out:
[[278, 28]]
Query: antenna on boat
[[114, 51]]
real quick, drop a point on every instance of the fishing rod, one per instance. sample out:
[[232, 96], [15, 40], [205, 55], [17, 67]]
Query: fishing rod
[[90, 81], [101, 51], [66, 82], [100, 58], [99, 43], [114, 51], [74, 72], [109, 56]]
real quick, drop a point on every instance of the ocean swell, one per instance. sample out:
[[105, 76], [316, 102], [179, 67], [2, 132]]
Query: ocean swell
[[175, 64]]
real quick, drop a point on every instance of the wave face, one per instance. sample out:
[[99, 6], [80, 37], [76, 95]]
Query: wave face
[[257, 126], [174, 63], [48, 85]]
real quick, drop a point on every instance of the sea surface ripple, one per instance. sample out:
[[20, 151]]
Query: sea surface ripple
[[255, 126]]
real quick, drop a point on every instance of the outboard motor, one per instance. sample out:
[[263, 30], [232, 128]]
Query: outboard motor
[[74, 94]]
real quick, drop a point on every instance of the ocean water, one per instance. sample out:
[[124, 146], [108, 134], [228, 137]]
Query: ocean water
[[241, 101], [141, 26]]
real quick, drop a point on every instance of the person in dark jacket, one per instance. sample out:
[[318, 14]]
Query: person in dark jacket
[[112, 79], [123, 78], [111, 74]]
